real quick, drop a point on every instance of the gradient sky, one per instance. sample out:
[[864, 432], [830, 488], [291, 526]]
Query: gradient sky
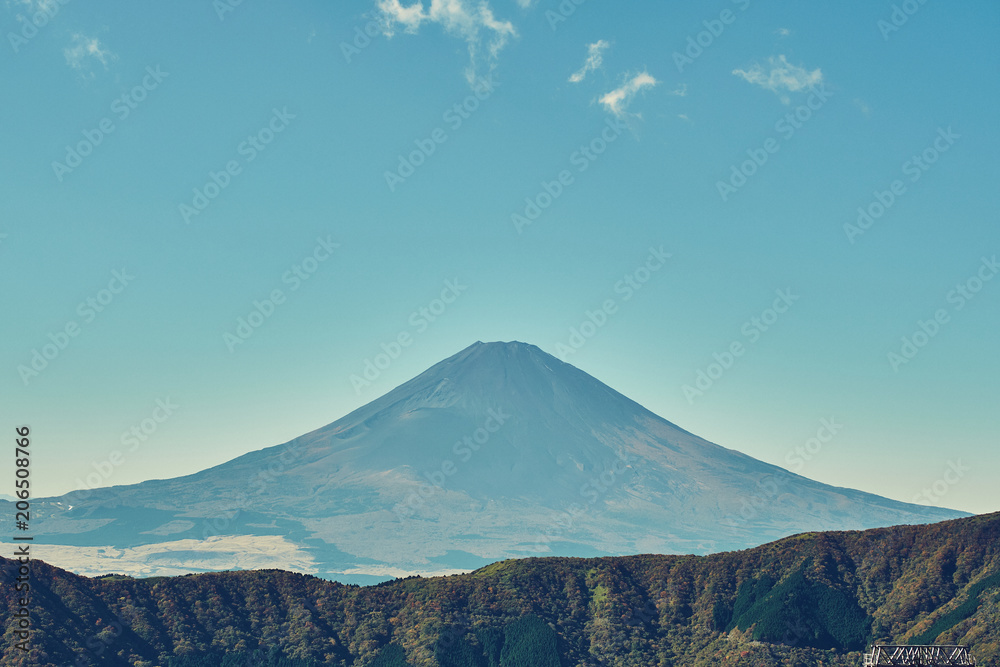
[[188, 89]]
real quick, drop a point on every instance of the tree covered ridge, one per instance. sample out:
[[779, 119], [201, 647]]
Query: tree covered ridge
[[811, 598]]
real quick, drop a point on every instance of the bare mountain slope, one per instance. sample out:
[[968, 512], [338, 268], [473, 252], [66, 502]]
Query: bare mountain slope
[[499, 451]]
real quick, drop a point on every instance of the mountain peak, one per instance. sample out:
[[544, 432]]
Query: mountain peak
[[515, 376], [499, 451], [502, 349], [490, 364]]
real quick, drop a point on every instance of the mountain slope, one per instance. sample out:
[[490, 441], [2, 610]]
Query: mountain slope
[[815, 598], [499, 451]]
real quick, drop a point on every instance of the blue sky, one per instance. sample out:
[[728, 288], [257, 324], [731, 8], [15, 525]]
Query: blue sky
[[174, 164]]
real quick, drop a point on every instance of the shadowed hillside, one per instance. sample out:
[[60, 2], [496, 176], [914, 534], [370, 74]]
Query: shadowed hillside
[[807, 599]]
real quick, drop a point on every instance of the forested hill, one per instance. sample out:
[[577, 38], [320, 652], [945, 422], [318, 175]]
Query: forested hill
[[812, 599]]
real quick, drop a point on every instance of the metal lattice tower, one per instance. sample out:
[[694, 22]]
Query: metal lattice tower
[[938, 655]]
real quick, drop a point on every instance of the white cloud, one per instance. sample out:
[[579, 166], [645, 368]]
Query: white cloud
[[680, 91], [595, 56], [618, 100], [393, 12], [470, 20], [782, 32], [82, 48], [862, 106], [780, 75]]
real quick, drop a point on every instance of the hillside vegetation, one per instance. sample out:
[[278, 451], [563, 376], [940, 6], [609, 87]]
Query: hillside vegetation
[[812, 599]]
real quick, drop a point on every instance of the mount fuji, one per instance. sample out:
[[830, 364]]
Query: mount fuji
[[499, 451]]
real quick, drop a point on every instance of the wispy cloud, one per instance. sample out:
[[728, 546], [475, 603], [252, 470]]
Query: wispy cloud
[[618, 100], [83, 48], [595, 56], [782, 32], [470, 20], [862, 106], [779, 75], [680, 91]]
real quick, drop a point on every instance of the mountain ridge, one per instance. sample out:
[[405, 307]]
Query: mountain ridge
[[498, 451], [806, 599]]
